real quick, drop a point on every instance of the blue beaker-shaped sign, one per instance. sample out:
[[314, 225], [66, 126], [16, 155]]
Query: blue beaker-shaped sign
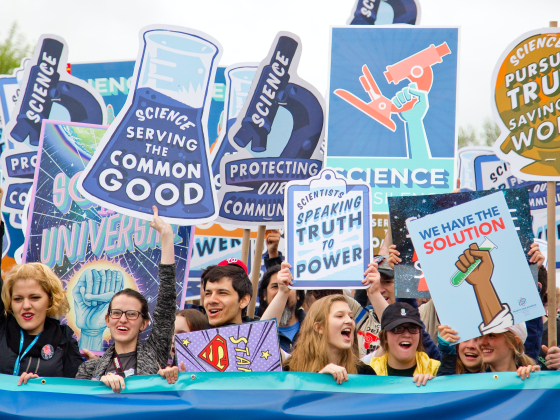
[[238, 83], [156, 152]]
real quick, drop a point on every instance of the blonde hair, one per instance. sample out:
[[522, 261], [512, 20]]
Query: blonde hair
[[521, 359], [518, 348], [310, 352], [46, 278]]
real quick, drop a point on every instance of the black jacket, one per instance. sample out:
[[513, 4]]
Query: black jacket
[[66, 358]]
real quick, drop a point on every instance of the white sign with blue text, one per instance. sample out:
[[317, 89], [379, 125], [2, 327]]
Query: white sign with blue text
[[475, 267], [327, 231]]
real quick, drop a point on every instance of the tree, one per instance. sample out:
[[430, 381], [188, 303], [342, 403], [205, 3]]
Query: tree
[[490, 131], [468, 136], [12, 50]]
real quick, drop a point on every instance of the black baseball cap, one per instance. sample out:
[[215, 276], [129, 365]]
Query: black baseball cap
[[399, 313], [385, 268]]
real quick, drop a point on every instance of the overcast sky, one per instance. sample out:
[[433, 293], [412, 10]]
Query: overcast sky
[[104, 30]]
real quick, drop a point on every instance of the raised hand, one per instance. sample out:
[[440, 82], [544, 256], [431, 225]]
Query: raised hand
[[272, 241], [394, 258], [92, 294], [535, 254], [448, 334], [166, 232], [284, 278]]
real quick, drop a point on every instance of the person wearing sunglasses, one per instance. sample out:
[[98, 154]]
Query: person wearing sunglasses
[[400, 337], [128, 315]]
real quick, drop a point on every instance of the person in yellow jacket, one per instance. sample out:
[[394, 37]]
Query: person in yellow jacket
[[401, 342]]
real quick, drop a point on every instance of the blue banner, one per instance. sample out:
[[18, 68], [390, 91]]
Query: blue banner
[[275, 395]]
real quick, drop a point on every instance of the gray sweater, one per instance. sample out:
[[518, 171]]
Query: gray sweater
[[152, 355]]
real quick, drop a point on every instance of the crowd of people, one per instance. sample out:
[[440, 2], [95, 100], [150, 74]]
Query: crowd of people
[[335, 332]]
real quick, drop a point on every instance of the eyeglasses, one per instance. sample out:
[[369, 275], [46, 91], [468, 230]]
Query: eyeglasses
[[117, 313], [412, 329]]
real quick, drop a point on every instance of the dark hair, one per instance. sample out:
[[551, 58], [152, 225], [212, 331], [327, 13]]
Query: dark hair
[[195, 319], [133, 293], [239, 279], [263, 285], [320, 294], [543, 280]]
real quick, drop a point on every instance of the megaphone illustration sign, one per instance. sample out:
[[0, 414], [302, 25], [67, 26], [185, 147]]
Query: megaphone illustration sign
[[156, 152], [526, 102], [278, 137]]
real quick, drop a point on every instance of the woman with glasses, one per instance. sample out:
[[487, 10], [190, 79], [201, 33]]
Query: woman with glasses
[[400, 339], [128, 315]]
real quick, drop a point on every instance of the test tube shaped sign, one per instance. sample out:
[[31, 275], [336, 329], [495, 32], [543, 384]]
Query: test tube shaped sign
[[156, 152]]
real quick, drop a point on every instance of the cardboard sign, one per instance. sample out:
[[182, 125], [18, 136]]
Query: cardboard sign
[[410, 281], [9, 93], [392, 101], [328, 231], [525, 105], [89, 247], [476, 267], [278, 136], [379, 228], [239, 78], [156, 151], [113, 80], [385, 12], [46, 91], [248, 347]]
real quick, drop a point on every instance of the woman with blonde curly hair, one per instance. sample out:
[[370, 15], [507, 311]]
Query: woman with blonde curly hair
[[33, 343], [328, 341]]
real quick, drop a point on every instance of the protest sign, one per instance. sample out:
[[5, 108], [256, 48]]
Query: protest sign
[[239, 78], [476, 244], [401, 141], [46, 91], [112, 80], [379, 228], [247, 347], [328, 231], [84, 243], [525, 86], [385, 12], [481, 169], [9, 93], [277, 136], [410, 281], [156, 151]]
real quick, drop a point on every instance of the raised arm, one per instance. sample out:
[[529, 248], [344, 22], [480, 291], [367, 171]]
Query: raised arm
[[276, 307], [163, 318]]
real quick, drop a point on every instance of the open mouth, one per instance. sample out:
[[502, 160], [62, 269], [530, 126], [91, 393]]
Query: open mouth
[[487, 351], [471, 356], [346, 332], [405, 344], [213, 312], [27, 316], [122, 328]]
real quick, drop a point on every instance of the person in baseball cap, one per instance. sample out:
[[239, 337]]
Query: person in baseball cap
[[234, 261], [401, 340], [227, 292]]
